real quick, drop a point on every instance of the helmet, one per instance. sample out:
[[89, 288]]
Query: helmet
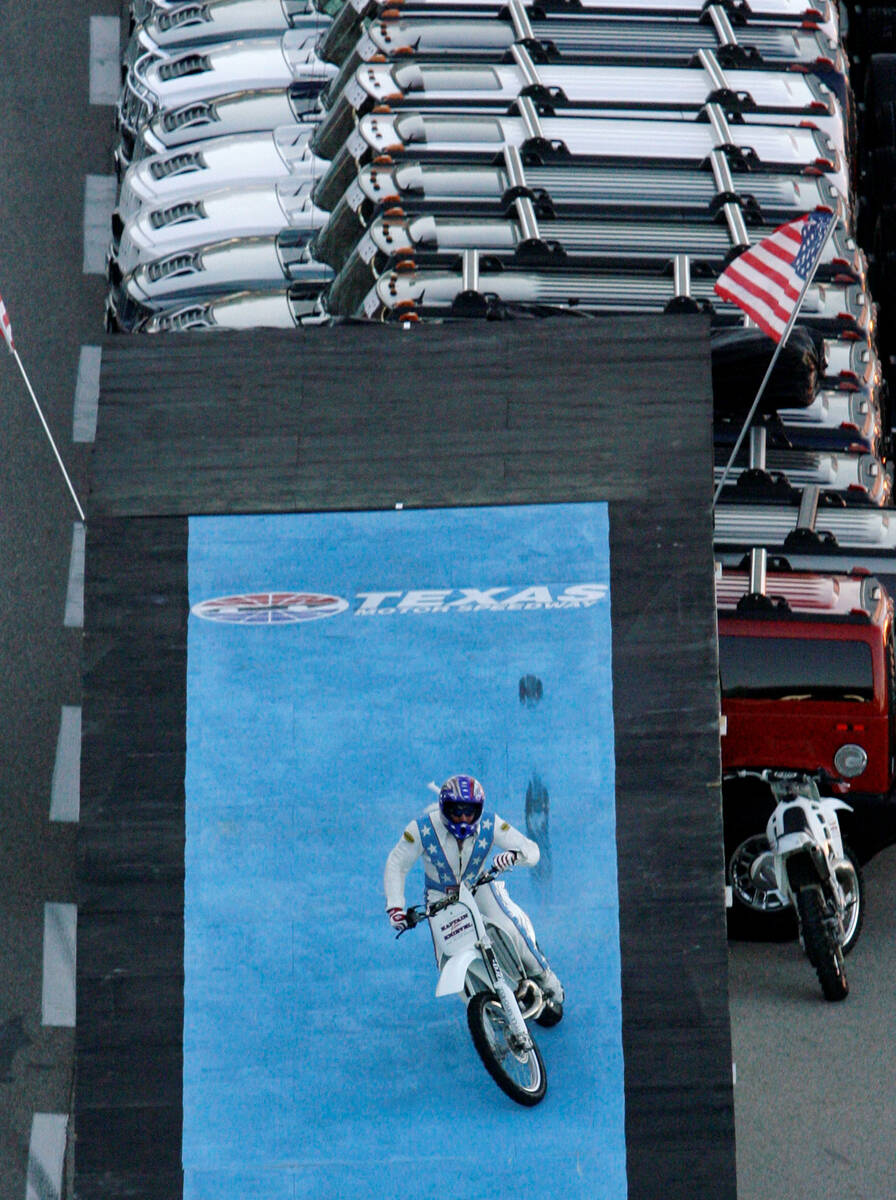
[[461, 796]]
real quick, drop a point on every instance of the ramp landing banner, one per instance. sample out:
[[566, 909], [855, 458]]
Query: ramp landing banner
[[339, 664]]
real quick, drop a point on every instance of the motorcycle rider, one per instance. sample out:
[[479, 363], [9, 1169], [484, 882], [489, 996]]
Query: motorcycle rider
[[454, 837]]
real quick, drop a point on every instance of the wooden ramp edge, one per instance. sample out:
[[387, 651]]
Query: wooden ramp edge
[[360, 417]]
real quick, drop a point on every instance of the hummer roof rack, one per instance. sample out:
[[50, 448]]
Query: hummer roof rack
[[857, 478], [762, 587], [682, 93], [432, 294], [842, 540], [418, 30], [349, 17]]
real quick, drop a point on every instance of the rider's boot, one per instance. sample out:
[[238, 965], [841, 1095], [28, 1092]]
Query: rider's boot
[[550, 985]]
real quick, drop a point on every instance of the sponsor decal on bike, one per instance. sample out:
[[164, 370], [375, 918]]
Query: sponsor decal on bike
[[456, 926], [270, 608]]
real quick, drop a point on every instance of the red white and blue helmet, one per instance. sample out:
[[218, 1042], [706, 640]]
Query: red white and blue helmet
[[461, 800]]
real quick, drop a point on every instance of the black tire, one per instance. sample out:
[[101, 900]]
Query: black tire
[[865, 217], [821, 949], [852, 881], [882, 245], [521, 1077], [880, 80], [878, 180], [885, 123], [872, 29], [885, 266], [550, 1015], [880, 95], [883, 237]]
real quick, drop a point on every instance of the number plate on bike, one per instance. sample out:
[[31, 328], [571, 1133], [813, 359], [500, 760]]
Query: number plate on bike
[[451, 928]]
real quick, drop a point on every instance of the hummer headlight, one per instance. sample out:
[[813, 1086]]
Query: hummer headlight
[[850, 760]]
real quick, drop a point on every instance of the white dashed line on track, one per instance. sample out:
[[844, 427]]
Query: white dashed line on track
[[87, 394], [105, 60], [100, 193], [60, 934], [65, 792], [49, 1131], [46, 1156], [74, 596]]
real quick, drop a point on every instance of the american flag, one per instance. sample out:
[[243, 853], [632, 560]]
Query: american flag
[[767, 280], [6, 324]]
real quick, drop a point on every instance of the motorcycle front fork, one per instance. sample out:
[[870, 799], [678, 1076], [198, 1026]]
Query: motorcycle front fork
[[518, 1009], [832, 921]]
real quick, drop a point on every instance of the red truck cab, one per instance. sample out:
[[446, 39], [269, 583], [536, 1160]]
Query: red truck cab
[[808, 677], [807, 669]]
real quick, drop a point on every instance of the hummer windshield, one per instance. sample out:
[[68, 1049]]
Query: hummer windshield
[[781, 668]]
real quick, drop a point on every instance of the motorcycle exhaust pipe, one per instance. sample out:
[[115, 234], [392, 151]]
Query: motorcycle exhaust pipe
[[530, 998]]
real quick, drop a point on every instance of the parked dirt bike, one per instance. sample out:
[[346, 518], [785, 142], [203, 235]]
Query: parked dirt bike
[[805, 864], [479, 962]]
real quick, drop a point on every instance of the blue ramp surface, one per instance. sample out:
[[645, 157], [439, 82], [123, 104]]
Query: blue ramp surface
[[338, 663]]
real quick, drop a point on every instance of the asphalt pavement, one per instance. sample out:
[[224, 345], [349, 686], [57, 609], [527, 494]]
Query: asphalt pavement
[[815, 1082], [52, 138], [814, 1101]]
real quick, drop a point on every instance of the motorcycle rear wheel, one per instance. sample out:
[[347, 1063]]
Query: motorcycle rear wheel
[[550, 1015], [521, 1076], [821, 948]]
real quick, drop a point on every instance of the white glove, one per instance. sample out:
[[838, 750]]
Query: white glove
[[398, 919], [505, 859]]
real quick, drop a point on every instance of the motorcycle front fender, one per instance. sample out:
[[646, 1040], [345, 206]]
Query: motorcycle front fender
[[793, 843], [830, 807], [454, 972], [802, 868]]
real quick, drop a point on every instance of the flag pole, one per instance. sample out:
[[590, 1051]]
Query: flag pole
[[15, 355], [791, 321]]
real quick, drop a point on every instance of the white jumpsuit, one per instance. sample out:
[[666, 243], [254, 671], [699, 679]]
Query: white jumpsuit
[[447, 860]]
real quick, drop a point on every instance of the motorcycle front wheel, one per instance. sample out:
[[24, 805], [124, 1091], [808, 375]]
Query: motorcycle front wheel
[[821, 948], [853, 884], [518, 1073]]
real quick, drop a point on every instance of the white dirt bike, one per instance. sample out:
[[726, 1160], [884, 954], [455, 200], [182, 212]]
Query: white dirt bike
[[807, 866], [478, 962]]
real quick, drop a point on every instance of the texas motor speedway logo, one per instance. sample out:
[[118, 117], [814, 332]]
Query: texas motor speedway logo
[[471, 600], [290, 607], [270, 608]]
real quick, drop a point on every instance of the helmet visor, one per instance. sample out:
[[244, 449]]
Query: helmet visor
[[464, 812]]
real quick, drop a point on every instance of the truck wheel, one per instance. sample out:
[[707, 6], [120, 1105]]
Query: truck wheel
[[880, 79], [873, 29], [877, 183], [880, 95]]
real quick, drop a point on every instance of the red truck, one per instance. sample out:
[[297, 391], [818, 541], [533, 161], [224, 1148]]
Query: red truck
[[807, 666]]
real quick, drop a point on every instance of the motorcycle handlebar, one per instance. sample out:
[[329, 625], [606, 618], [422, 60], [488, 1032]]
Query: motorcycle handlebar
[[421, 913], [771, 774], [781, 777], [782, 774]]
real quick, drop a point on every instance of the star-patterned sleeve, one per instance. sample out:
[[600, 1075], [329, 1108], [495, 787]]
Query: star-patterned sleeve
[[508, 838], [401, 858]]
